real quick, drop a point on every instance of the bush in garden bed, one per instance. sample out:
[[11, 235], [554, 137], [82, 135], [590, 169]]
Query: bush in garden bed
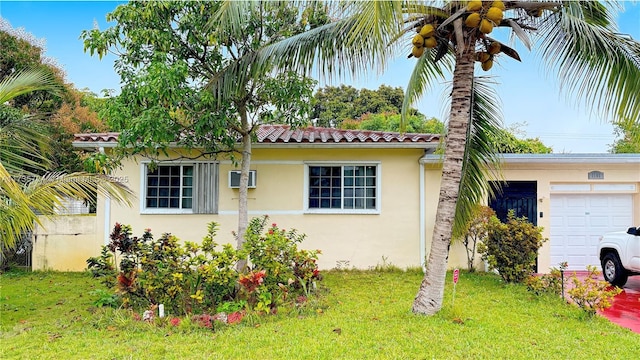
[[511, 247], [193, 278]]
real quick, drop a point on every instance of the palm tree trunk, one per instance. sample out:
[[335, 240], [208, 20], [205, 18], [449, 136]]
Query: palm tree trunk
[[243, 210], [428, 301]]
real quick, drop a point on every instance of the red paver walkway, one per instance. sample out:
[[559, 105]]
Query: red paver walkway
[[625, 310]]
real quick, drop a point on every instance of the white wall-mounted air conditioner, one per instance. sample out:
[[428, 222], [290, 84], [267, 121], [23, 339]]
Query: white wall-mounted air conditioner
[[234, 179]]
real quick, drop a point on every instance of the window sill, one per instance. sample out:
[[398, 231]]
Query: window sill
[[166, 211], [340, 212]]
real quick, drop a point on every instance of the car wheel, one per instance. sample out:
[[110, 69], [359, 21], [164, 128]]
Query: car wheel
[[613, 271]]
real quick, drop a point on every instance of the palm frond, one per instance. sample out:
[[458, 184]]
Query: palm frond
[[594, 61], [25, 81], [16, 215], [23, 146], [482, 162], [232, 15], [45, 192], [354, 44], [425, 72], [43, 195]]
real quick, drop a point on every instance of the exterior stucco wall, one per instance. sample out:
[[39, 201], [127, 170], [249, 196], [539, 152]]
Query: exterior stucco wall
[[546, 175], [65, 242], [352, 240]]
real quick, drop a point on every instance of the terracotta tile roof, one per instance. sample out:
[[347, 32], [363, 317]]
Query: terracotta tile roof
[[96, 137], [283, 134], [269, 134]]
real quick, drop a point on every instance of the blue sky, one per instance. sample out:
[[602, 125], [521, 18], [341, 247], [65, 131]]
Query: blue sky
[[527, 94]]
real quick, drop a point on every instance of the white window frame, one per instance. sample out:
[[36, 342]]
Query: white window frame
[[252, 179], [378, 192], [195, 188]]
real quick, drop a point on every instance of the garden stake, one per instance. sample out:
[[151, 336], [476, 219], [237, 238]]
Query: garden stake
[[562, 281]]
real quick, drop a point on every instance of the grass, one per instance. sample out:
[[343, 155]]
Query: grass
[[49, 315]]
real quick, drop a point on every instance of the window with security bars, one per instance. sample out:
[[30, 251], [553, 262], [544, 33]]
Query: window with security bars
[[191, 188], [343, 187], [170, 187]]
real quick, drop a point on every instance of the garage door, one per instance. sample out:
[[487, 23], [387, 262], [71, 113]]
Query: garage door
[[578, 221]]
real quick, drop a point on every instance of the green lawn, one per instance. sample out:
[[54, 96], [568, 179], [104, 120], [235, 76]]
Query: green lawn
[[367, 316]]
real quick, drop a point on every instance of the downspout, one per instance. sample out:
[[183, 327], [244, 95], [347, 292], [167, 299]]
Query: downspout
[[421, 192], [107, 219], [107, 212]]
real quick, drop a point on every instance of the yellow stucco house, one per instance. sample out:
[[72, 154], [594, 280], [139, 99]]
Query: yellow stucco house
[[362, 197]]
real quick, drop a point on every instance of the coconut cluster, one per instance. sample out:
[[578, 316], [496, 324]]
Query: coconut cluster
[[424, 39], [484, 16]]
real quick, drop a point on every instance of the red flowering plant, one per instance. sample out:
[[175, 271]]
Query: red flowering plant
[[174, 321]]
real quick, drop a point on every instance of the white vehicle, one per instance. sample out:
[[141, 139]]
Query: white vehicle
[[620, 255]]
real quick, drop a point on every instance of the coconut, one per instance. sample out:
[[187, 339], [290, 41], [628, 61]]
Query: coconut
[[417, 51], [494, 48], [473, 20], [427, 30], [482, 56], [486, 26], [486, 66], [474, 5], [498, 4], [494, 14], [430, 42], [418, 41]]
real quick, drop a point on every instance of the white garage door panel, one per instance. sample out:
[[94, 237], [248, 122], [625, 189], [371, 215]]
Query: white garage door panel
[[578, 221], [599, 221]]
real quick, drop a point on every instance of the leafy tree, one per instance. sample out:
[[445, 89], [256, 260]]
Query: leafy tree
[[177, 62], [508, 142], [579, 40], [393, 121], [348, 108], [629, 138], [64, 112], [21, 51], [475, 232], [24, 193], [333, 105]]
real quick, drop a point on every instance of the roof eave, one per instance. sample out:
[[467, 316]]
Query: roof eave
[[358, 145], [93, 145], [555, 159]]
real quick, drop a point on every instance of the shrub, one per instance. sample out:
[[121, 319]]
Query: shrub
[[289, 271], [592, 294], [475, 231], [103, 267], [548, 283], [185, 278], [202, 278], [511, 247]]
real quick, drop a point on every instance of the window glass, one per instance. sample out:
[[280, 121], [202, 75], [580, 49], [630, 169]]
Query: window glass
[[170, 186], [342, 187]]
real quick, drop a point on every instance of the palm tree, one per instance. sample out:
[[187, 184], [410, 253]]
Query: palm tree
[[579, 40], [24, 193]]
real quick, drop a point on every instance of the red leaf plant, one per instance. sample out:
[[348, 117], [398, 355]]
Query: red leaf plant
[[235, 317], [252, 280]]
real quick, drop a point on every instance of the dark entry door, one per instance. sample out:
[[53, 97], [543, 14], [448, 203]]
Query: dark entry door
[[521, 196]]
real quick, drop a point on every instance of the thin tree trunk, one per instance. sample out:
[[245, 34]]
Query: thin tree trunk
[[245, 165], [428, 301]]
